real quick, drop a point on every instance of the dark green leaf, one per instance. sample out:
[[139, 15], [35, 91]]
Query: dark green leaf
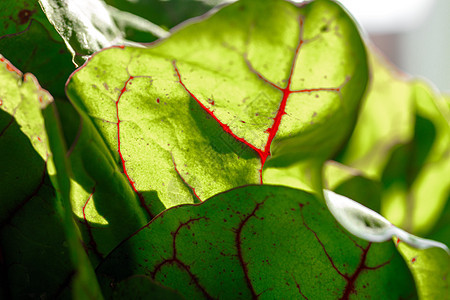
[[267, 241], [142, 287], [41, 253]]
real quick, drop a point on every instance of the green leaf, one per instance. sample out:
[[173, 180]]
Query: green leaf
[[85, 26], [372, 141], [34, 50], [84, 283], [268, 241], [107, 208], [430, 268], [17, 16], [41, 252], [142, 287], [441, 229], [186, 120]]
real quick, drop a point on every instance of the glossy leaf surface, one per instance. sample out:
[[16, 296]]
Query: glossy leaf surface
[[188, 120], [259, 241]]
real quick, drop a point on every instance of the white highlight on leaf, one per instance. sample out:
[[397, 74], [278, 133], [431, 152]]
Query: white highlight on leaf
[[369, 225]]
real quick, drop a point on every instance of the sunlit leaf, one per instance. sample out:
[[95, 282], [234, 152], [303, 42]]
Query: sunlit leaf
[[186, 120]]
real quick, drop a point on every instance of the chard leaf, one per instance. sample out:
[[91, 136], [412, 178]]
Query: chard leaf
[[186, 120], [142, 287], [17, 16], [106, 207], [35, 263], [32, 44], [430, 268], [259, 241]]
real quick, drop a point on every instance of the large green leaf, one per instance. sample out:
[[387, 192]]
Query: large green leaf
[[141, 287], [259, 241], [41, 252], [226, 99]]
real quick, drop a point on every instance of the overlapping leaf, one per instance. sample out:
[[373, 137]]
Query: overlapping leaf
[[259, 241], [188, 120], [35, 263]]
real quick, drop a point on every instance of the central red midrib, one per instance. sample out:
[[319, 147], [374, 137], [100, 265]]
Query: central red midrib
[[272, 131], [224, 126], [286, 93], [141, 197]]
